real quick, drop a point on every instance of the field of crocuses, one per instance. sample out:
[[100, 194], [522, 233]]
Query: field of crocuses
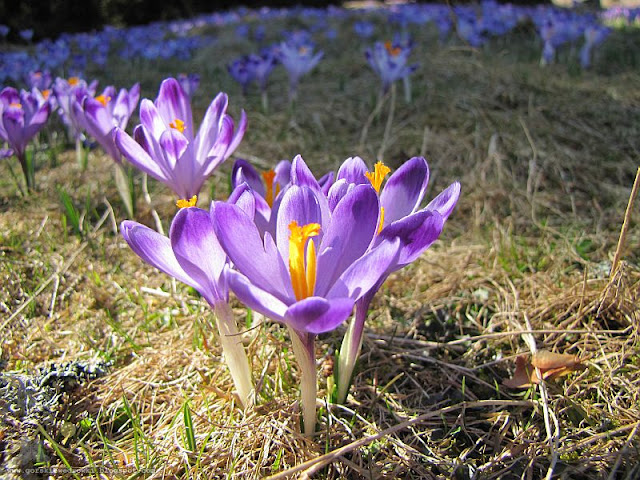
[[385, 242]]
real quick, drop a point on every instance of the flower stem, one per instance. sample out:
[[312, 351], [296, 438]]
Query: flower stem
[[303, 348], [234, 352], [350, 348]]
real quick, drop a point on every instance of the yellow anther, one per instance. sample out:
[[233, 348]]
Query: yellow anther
[[103, 99], [303, 50], [303, 273], [177, 124], [377, 177], [268, 178], [46, 93], [15, 105], [184, 203], [73, 81], [393, 51], [381, 224]]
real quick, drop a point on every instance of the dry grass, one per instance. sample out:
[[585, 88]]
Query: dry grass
[[546, 158]]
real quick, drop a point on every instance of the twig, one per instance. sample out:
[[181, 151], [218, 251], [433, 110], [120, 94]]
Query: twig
[[387, 128], [625, 226], [311, 465], [52, 305]]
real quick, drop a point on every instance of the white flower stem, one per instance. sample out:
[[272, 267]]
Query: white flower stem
[[350, 349], [303, 348], [234, 352]]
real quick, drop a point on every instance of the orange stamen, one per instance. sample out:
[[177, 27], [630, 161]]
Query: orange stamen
[[377, 177], [177, 124], [393, 51], [302, 270], [103, 99], [184, 203]]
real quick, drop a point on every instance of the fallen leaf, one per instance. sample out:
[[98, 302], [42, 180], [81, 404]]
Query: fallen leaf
[[551, 365]]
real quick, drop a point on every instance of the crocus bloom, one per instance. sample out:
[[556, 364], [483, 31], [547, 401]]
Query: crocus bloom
[[241, 73], [389, 61], [165, 146], [261, 66], [298, 60], [193, 255], [67, 92], [100, 115], [284, 278], [189, 83], [593, 36], [21, 118], [402, 220]]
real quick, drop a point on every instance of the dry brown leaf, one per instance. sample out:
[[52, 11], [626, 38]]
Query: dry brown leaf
[[551, 365]]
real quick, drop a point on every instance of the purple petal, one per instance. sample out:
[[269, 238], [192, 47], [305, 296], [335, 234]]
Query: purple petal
[[172, 103], [151, 119], [155, 249], [367, 271], [239, 134], [260, 263], [211, 124], [318, 315], [416, 232], [137, 156], [353, 170], [404, 190], [198, 251], [446, 201], [243, 171], [299, 204], [256, 298], [243, 197], [353, 226]]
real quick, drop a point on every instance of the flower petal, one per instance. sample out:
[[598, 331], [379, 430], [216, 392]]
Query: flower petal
[[353, 170], [367, 271], [416, 232], [318, 315], [240, 239], [446, 201], [256, 298], [299, 204], [404, 190], [353, 226], [172, 103], [198, 251], [137, 156], [155, 249]]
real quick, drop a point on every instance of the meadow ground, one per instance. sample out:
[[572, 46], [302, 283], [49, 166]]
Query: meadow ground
[[546, 158]]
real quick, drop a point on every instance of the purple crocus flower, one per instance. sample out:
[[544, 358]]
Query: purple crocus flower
[[192, 254], [22, 116], [165, 146], [402, 220], [100, 115], [298, 60], [593, 36], [282, 277], [67, 92], [189, 83], [241, 73], [266, 187], [39, 79], [261, 66], [389, 61]]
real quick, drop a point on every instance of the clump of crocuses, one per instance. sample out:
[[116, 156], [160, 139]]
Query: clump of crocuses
[[22, 116], [303, 252]]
